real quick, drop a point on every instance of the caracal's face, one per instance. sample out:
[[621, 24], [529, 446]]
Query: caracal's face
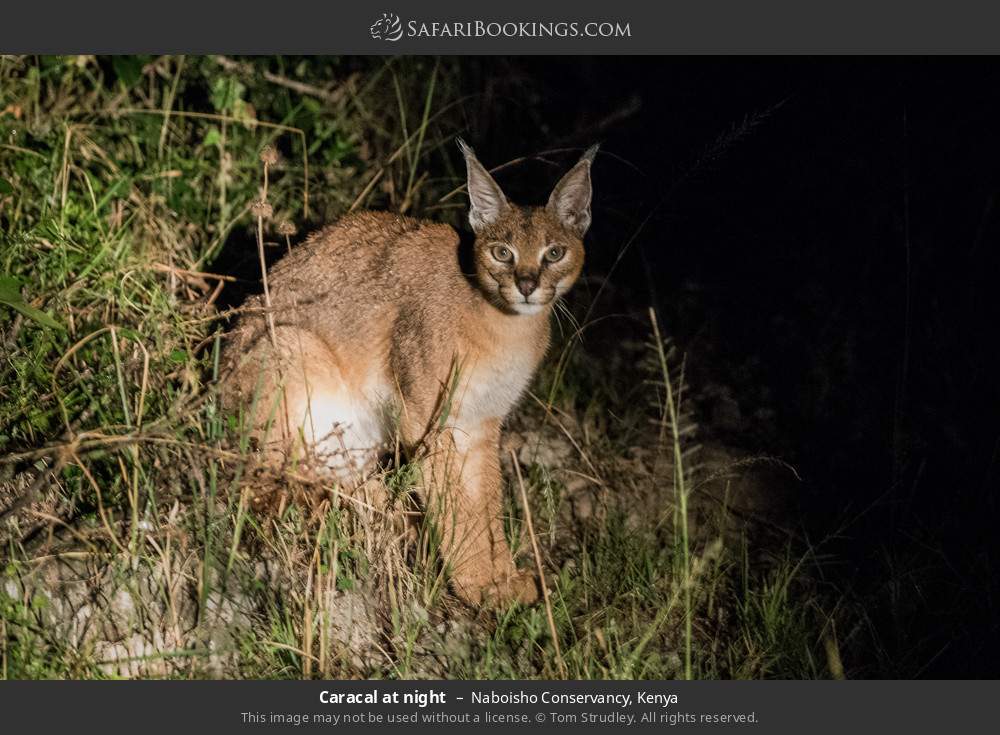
[[527, 259]]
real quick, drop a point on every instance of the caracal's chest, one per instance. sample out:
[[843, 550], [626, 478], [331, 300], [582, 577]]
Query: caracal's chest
[[491, 384]]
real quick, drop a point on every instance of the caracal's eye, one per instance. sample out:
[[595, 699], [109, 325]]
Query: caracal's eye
[[501, 253], [555, 253]]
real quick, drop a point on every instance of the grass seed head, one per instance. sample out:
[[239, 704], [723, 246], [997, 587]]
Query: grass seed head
[[269, 155], [262, 209]]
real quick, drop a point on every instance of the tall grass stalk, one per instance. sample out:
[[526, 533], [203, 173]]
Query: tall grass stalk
[[420, 138], [672, 408]]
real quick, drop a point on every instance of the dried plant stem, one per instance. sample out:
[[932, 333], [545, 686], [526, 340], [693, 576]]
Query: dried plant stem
[[263, 262], [267, 291], [112, 536], [538, 566], [163, 268], [332, 96], [260, 207]]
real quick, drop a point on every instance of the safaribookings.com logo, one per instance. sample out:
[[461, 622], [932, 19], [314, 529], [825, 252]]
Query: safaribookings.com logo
[[390, 28], [387, 28]]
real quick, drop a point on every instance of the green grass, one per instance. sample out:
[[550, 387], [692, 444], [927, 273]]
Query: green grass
[[122, 183]]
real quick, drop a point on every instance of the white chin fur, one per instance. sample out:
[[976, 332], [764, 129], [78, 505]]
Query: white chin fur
[[522, 307]]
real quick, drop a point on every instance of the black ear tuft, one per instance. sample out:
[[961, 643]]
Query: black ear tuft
[[465, 148], [590, 154]]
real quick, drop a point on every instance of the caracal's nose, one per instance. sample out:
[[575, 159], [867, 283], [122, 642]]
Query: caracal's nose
[[527, 285]]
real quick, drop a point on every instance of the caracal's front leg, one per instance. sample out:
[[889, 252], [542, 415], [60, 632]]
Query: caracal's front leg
[[465, 498]]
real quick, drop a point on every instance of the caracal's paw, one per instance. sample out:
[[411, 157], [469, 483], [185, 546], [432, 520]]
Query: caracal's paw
[[521, 586]]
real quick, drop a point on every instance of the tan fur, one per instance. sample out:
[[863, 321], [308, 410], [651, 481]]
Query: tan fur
[[379, 333]]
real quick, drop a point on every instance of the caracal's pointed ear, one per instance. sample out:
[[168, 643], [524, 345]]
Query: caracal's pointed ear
[[486, 200], [570, 200]]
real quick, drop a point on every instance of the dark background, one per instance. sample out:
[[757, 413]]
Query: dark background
[[821, 235]]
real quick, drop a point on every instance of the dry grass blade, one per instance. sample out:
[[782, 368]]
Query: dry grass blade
[[538, 566]]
